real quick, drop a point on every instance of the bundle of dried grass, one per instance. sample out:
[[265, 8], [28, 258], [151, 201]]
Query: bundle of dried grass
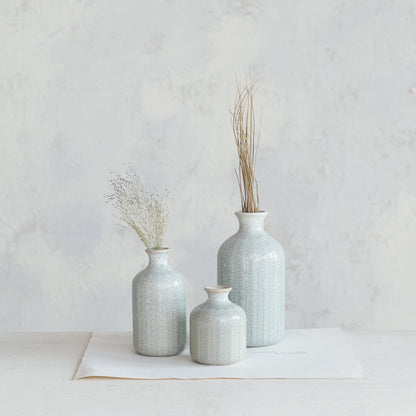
[[244, 129], [143, 210]]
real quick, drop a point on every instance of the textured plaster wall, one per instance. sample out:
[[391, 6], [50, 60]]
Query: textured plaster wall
[[89, 85]]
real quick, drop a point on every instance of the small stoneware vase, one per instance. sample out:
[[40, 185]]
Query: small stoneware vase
[[218, 329], [253, 264], [159, 308]]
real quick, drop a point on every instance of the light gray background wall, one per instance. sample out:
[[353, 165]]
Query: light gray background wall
[[87, 86]]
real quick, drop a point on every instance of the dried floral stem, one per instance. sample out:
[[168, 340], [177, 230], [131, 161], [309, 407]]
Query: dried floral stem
[[244, 129], [144, 211]]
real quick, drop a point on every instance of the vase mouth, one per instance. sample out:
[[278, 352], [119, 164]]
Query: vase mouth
[[157, 250], [250, 214], [217, 289]]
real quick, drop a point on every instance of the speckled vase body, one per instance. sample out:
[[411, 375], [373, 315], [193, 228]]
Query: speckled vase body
[[218, 329], [159, 308], [253, 264]]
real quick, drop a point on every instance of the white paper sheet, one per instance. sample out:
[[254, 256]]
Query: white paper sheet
[[304, 353]]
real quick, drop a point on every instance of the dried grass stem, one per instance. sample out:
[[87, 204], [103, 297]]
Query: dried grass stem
[[244, 129]]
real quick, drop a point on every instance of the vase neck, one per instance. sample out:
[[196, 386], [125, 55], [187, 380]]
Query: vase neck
[[217, 294], [158, 257], [251, 222]]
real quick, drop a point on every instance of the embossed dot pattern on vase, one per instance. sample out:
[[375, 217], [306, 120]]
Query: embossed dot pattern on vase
[[253, 264], [218, 329], [159, 308]]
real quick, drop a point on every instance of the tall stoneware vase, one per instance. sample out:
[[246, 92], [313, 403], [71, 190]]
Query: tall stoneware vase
[[159, 308], [253, 264]]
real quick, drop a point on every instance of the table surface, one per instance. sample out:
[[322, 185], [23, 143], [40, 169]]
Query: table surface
[[36, 371]]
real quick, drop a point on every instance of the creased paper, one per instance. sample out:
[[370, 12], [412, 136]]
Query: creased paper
[[304, 353]]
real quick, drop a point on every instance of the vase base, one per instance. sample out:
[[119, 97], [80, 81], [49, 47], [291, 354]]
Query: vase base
[[265, 344], [159, 355], [234, 362]]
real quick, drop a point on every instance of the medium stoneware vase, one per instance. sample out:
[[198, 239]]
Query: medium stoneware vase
[[253, 264], [159, 308], [218, 329]]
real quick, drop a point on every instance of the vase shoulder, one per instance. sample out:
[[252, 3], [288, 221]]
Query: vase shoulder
[[261, 244], [159, 277], [226, 310]]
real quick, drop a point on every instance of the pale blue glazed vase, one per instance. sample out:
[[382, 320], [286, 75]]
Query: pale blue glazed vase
[[159, 308], [218, 329], [253, 264]]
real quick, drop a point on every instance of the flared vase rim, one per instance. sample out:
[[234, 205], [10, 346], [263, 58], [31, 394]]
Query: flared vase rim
[[250, 214], [217, 289], [157, 250]]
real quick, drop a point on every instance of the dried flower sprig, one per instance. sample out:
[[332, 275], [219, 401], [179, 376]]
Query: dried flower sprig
[[143, 210], [244, 129]]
